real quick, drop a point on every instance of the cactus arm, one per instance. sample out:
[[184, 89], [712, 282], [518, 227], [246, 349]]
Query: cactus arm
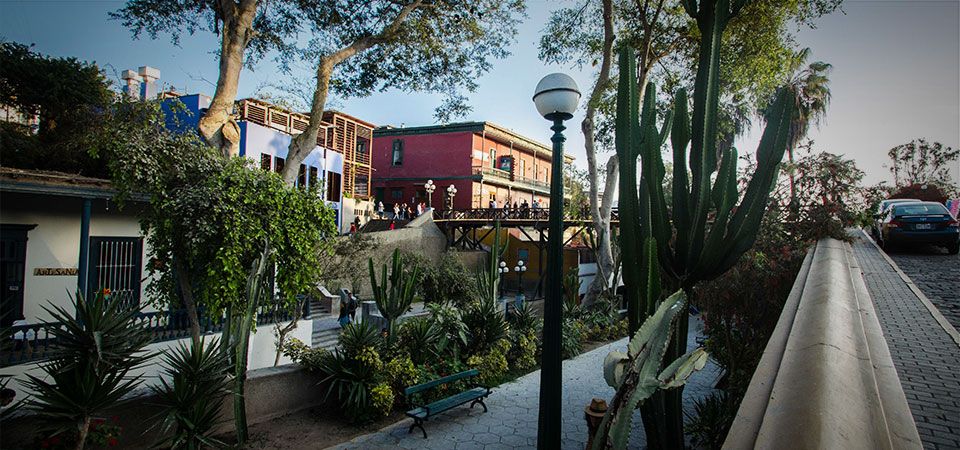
[[711, 20], [626, 139], [680, 138], [724, 196], [679, 371]]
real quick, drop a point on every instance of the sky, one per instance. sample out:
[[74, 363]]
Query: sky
[[896, 73]]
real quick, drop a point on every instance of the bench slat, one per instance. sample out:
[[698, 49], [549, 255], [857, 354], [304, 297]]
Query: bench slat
[[447, 379], [453, 401]]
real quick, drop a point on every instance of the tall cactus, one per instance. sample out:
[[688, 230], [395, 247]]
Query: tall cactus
[[237, 328], [488, 279], [395, 300], [677, 240]]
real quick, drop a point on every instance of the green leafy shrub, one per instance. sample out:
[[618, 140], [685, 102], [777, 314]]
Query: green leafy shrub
[[526, 327], [491, 364], [191, 399], [574, 333], [523, 352], [303, 354], [382, 399], [400, 373], [447, 281], [453, 331]]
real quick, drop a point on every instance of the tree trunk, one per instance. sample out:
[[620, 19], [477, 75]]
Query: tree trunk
[[186, 293], [601, 224], [83, 429], [218, 126], [303, 143]]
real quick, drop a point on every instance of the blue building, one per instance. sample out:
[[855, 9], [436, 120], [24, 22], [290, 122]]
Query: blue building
[[267, 148]]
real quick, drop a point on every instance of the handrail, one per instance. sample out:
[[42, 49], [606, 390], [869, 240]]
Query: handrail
[[504, 214], [36, 342], [826, 378]]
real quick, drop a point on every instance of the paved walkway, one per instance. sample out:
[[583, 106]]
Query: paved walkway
[[925, 355], [936, 273], [512, 419]]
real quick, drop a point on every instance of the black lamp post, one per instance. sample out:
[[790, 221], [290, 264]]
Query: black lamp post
[[429, 187], [556, 98], [504, 270], [520, 268]]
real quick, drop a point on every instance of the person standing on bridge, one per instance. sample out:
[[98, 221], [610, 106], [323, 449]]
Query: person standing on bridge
[[493, 204], [380, 209]]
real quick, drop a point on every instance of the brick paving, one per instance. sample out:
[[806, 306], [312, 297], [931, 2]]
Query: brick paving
[[512, 418], [937, 274], [926, 357]]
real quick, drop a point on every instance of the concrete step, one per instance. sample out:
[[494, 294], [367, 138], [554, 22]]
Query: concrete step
[[325, 338]]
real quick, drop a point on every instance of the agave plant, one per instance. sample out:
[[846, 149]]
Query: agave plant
[[708, 226], [395, 300], [193, 384], [99, 348], [357, 336], [636, 374], [486, 325], [420, 337], [488, 278]]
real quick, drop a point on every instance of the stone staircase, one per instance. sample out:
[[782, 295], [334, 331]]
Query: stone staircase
[[326, 332]]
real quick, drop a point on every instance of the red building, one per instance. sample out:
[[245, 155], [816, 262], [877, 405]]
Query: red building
[[484, 161]]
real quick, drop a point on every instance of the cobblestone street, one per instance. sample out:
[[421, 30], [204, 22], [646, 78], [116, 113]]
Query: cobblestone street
[[925, 355], [512, 419], [937, 274]]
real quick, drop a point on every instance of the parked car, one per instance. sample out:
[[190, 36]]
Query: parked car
[[882, 212], [920, 223]]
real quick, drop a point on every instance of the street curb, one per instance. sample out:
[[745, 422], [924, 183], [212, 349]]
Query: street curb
[[913, 287]]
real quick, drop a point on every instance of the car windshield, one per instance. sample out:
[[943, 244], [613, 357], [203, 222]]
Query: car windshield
[[919, 209]]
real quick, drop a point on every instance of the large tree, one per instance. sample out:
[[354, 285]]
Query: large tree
[[240, 24], [809, 84], [756, 51], [63, 95], [207, 217], [923, 162], [362, 46]]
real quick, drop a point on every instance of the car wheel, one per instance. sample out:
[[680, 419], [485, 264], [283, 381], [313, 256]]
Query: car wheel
[[953, 249]]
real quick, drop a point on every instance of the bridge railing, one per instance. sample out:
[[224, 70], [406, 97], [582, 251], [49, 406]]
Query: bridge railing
[[503, 214]]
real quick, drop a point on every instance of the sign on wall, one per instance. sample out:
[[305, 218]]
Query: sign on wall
[[54, 271]]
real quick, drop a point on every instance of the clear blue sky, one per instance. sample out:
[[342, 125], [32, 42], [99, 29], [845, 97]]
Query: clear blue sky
[[896, 71]]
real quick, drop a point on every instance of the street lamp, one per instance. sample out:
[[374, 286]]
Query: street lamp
[[556, 98], [520, 268], [430, 187], [503, 269], [451, 192]]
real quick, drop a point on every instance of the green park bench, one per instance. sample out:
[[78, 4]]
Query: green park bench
[[421, 413]]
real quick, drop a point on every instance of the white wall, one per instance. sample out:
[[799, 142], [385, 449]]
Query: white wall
[[261, 354], [55, 243]]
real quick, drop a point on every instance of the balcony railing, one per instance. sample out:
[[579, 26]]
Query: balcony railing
[[35, 342], [504, 175]]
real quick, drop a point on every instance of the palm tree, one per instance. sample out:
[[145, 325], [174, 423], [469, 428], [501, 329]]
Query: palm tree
[[810, 85]]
